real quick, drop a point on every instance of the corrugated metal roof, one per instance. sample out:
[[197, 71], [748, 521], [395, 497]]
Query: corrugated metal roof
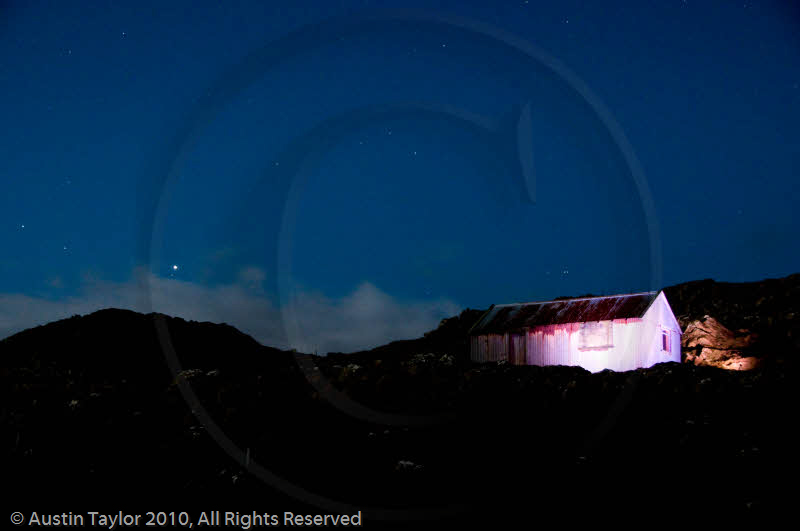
[[507, 317]]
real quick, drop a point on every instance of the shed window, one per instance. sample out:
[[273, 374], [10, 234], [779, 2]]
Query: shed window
[[595, 336], [665, 341]]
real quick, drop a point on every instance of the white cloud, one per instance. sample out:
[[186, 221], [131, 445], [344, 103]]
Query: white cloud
[[366, 318]]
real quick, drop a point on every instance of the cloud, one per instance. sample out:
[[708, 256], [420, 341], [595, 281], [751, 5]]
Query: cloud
[[366, 318], [309, 322]]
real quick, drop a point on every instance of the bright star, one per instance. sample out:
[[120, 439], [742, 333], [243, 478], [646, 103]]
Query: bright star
[[174, 268]]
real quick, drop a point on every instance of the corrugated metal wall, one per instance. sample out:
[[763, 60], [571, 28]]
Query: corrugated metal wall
[[492, 347], [547, 345], [633, 343], [551, 344]]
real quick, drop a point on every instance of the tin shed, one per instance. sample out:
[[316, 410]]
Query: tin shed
[[618, 332]]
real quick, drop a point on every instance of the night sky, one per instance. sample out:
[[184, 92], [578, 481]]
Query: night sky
[[335, 175]]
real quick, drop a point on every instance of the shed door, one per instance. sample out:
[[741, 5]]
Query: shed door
[[516, 349]]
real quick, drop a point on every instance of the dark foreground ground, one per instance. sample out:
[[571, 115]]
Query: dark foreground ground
[[92, 419], [412, 434]]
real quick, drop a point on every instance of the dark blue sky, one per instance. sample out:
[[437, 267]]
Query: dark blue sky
[[369, 168]]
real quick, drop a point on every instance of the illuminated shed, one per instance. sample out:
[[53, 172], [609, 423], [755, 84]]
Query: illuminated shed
[[618, 332]]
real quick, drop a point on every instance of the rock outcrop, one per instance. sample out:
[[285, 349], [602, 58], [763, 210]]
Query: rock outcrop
[[753, 322], [709, 342]]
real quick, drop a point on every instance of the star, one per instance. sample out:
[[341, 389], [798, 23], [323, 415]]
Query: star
[[175, 268]]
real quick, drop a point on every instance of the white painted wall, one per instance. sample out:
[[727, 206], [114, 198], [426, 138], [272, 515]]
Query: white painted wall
[[658, 318]]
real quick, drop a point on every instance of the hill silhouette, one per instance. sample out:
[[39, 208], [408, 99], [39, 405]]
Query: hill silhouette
[[92, 410]]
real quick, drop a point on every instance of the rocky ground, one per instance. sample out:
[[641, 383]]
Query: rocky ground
[[91, 411]]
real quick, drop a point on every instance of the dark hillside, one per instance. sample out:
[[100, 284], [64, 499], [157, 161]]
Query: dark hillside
[[90, 410]]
